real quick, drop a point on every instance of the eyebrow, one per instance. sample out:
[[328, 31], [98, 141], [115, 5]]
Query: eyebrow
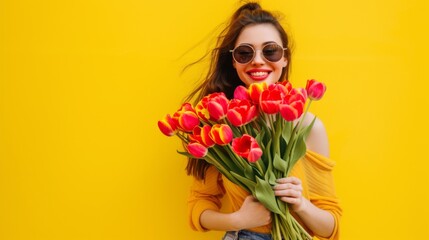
[[264, 43]]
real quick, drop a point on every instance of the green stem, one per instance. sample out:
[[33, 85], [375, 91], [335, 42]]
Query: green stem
[[243, 129], [277, 234], [305, 113], [258, 166]]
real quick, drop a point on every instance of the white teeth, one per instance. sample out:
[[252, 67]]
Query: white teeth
[[258, 74]]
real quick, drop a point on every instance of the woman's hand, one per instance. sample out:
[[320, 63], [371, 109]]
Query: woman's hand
[[290, 190], [252, 214]]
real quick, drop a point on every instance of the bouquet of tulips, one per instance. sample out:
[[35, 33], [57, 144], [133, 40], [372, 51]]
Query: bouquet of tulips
[[253, 139]]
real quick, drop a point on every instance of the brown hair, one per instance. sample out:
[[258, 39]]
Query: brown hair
[[221, 76]]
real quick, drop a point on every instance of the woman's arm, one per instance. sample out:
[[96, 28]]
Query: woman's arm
[[321, 222], [251, 214]]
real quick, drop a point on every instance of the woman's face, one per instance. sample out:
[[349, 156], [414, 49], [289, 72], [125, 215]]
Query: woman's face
[[259, 69]]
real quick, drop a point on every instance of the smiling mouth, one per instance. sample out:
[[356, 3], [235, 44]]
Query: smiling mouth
[[258, 75]]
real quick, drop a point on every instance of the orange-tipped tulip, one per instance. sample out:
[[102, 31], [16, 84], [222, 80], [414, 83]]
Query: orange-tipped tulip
[[241, 112], [201, 110], [186, 118], [167, 126], [315, 89], [217, 105], [221, 134], [201, 135], [255, 90]]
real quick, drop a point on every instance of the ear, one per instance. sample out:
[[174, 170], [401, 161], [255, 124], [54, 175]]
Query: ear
[[285, 62]]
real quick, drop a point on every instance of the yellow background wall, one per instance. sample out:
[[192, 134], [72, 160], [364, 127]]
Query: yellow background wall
[[83, 83]]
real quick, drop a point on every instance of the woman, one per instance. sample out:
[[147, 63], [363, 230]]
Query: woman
[[254, 48]]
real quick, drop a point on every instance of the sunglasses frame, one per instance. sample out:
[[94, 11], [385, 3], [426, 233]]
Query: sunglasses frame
[[254, 52]]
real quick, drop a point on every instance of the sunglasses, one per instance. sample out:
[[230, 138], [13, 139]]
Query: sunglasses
[[245, 53]]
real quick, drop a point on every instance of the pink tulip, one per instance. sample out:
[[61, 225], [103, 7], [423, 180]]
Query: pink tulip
[[315, 89], [241, 93], [241, 112], [167, 126], [197, 150], [221, 134], [247, 147]]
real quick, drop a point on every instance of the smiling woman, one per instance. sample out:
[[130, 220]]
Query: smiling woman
[[254, 49], [82, 84]]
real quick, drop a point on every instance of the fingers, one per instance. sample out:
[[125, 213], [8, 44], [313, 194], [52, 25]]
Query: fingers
[[289, 193], [293, 180], [291, 200], [289, 190], [288, 183]]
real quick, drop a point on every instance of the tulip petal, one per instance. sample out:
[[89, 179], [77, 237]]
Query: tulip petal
[[188, 121], [315, 89], [241, 93], [197, 150], [167, 126]]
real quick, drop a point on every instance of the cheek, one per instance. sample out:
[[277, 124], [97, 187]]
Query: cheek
[[240, 69]]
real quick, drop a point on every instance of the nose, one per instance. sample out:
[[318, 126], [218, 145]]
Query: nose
[[258, 59]]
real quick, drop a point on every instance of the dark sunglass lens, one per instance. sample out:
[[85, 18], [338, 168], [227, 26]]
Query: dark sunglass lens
[[243, 54], [273, 52]]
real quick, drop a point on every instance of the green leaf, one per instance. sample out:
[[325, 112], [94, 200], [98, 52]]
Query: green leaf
[[279, 163], [269, 176], [287, 131], [248, 183], [265, 194], [185, 154], [305, 131], [249, 173], [298, 150], [300, 147], [229, 161]]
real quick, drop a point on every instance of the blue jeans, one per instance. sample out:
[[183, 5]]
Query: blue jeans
[[246, 235]]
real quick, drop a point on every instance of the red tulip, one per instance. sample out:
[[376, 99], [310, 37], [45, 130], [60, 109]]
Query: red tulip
[[287, 84], [315, 89], [241, 112], [167, 126], [221, 134], [296, 94], [217, 105], [291, 111], [247, 147], [186, 118], [271, 98], [197, 150]]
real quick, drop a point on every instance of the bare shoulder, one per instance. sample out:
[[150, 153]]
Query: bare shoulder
[[317, 140]]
